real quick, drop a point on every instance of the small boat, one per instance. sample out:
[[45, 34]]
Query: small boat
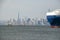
[[53, 18]]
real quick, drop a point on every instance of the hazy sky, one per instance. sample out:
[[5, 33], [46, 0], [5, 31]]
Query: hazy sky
[[26, 8]]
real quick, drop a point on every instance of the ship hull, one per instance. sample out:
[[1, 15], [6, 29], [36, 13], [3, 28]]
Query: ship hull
[[54, 20]]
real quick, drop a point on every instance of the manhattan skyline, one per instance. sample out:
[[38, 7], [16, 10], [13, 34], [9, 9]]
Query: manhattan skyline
[[26, 8]]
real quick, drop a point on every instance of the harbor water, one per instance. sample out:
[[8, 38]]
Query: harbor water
[[29, 33]]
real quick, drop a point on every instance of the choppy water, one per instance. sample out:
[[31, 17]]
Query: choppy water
[[29, 33]]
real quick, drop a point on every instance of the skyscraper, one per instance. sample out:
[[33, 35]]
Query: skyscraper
[[18, 19]]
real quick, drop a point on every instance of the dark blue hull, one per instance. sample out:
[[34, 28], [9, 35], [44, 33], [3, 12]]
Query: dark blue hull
[[54, 20]]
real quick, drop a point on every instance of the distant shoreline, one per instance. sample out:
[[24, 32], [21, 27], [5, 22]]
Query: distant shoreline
[[24, 26]]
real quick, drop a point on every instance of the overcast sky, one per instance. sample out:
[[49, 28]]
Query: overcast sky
[[26, 8]]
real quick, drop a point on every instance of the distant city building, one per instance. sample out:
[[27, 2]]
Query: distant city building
[[25, 21], [18, 20]]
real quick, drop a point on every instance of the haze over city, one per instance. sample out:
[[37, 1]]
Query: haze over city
[[25, 20], [26, 8]]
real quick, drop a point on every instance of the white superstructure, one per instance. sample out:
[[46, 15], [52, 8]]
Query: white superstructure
[[55, 12]]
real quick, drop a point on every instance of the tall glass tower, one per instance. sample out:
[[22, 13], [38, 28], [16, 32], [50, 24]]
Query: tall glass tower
[[18, 19]]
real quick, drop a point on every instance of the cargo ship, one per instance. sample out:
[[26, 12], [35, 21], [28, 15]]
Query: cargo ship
[[53, 17]]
